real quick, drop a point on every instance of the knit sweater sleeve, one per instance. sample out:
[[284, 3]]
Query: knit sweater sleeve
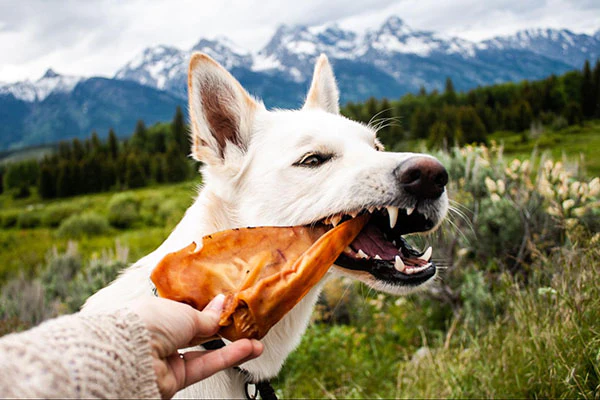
[[80, 356]]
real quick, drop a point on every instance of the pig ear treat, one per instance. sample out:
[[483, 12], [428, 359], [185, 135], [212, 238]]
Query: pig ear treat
[[263, 272]]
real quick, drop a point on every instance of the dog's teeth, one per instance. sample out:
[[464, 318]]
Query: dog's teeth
[[361, 254], [414, 270], [377, 257], [371, 210], [427, 255], [409, 210], [394, 243], [353, 214], [399, 264], [335, 219], [393, 213]]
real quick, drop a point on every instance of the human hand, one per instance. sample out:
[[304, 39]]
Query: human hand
[[173, 326]]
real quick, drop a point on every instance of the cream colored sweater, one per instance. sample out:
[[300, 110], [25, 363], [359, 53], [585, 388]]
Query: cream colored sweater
[[77, 356]]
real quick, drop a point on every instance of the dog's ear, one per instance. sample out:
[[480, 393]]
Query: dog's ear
[[323, 92], [221, 111]]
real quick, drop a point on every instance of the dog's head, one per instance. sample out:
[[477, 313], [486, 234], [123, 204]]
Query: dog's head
[[314, 166]]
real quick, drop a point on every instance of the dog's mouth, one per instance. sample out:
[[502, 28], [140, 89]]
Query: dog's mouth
[[380, 248]]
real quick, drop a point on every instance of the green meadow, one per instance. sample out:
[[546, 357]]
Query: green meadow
[[513, 313]]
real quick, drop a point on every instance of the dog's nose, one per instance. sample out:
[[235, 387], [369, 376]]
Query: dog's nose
[[423, 177]]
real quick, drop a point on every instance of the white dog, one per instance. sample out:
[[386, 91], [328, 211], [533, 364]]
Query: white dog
[[288, 168]]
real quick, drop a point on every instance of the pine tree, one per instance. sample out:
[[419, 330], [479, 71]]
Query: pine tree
[[176, 165], [95, 143], [78, 151], [180, 132], [134, 175], [140, 136], [370, 110], [64, 150], [588, 95], [471, 126], [113, 144], [596, 80], [47, 182], [523, 116], [449, 92], [63, 183]]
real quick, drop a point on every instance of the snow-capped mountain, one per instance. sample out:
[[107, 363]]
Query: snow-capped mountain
[[557, 44], [410, 58], [50, 82], [387, 61]]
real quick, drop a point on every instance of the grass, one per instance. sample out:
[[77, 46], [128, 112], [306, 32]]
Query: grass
[[578, 143], [545, 345], [24, 250]]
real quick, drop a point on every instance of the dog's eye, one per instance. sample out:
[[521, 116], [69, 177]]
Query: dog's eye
[[313, 160]]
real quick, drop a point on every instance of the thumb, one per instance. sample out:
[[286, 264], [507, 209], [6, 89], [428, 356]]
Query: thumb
[[215, 306], [206, 322]]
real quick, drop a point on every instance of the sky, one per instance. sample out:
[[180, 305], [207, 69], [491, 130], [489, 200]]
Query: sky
[[97, 37]]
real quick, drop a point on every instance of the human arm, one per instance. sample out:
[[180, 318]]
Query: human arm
[[129, 353]]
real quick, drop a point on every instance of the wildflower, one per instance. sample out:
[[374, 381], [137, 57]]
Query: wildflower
[[568, 204], [491, 185]]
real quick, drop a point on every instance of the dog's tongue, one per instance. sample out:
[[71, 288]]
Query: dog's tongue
[[264, 272]]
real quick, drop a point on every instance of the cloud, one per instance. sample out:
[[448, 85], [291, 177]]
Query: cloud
[[96, 37]]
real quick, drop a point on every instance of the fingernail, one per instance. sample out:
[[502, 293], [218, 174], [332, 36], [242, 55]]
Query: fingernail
[[216, 304]]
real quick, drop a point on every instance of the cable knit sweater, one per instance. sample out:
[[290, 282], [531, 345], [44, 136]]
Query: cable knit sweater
[[80, 356]]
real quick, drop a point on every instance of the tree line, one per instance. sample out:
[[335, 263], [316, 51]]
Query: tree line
[[151, 155], [449, 118], [158, 154]]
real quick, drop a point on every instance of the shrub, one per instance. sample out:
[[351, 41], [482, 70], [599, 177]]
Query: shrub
[[57, 213], [23, 300], [59, 271], [82, 225], [123, 210], [8, 219], [29, 219], [98, 274]]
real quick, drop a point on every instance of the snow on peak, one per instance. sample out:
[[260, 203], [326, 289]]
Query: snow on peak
[[50, 82], [396, 26], [224, 51]]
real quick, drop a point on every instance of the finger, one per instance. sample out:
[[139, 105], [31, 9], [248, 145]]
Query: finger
[[206, 322], [201, 365]]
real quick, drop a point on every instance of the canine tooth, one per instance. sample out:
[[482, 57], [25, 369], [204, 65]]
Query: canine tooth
[[409, 210], [393, 213], [399, 264], [371, 210], [361, 254], [427, 255], [353, 214], [377, 257]]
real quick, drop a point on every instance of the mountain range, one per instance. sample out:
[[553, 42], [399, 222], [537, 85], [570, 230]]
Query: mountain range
[[389, 61]]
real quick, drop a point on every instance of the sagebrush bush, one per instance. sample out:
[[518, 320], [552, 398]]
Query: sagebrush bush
[[83, 225], [53, 215], [123, 210]]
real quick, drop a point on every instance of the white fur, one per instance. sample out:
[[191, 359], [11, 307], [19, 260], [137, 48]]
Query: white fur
[[255, 183]]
